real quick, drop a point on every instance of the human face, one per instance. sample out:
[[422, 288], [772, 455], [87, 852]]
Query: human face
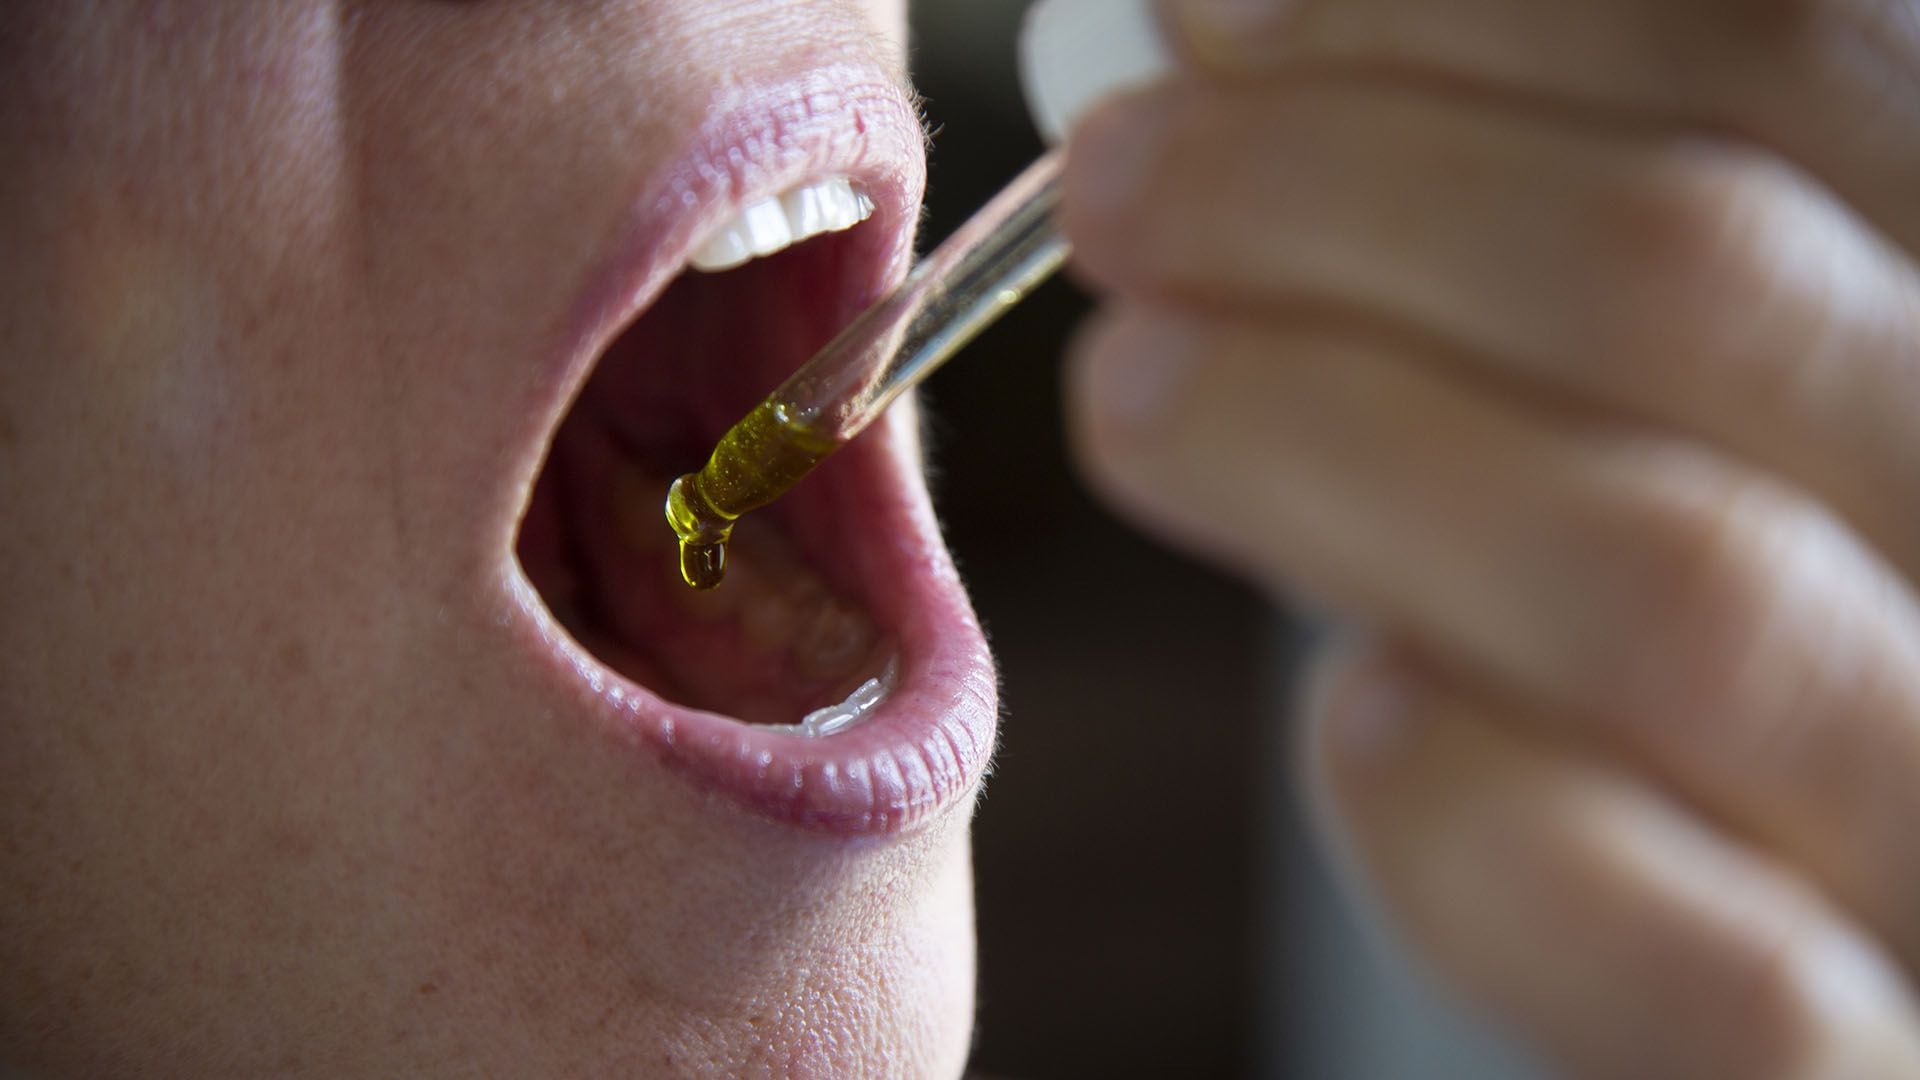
[[341, 371]]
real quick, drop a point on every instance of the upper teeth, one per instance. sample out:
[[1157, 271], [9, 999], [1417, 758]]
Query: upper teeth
[[777, 223]]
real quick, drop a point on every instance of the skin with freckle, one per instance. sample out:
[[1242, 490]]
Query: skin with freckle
[[271, 803]]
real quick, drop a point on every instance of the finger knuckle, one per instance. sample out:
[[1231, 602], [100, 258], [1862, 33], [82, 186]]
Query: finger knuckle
[[1131, 229], [1699, 600], [1185, 216], [1682, 239]]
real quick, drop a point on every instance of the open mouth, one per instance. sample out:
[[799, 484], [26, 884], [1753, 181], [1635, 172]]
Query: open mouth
[[790, 635], [837, 679]]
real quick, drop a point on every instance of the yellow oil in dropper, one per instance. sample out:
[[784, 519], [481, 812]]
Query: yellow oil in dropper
[[988, 265], [755, 463]]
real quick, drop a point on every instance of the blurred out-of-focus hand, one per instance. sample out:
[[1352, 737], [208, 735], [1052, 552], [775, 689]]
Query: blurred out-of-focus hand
[[1570, 353]]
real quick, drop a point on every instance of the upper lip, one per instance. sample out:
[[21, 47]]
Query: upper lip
[[925, 749]]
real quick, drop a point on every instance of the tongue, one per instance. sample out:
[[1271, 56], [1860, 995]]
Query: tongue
[[770, 646]]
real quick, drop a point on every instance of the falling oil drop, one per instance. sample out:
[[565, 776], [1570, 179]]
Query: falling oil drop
[[702, 566]]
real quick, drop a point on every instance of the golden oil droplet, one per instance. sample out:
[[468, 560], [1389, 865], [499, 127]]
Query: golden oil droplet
[[756, 461], [703, 533], [703, 565]]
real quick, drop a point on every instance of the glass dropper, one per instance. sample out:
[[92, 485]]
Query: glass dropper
[[986, 267]]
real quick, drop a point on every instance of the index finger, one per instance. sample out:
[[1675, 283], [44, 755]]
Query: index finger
[[1833, 85]]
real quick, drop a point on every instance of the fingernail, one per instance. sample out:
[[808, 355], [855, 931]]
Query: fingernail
[[1112, 156], [1141, 369], [1075, 54]]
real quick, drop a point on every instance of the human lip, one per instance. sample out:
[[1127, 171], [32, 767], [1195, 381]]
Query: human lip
[[922, 750], [840, 120]]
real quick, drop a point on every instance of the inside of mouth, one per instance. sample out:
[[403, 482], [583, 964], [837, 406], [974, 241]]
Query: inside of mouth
[[789, 637]]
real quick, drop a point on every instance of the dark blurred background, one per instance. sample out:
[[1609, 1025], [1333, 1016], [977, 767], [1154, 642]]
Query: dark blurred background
[[1147, 906]]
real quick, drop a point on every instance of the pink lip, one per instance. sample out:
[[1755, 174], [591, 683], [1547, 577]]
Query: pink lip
[[924, 750]]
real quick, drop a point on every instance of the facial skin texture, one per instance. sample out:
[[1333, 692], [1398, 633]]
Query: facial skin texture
[[269, 801]]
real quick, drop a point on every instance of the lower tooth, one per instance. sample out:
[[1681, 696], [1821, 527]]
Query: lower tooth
[[827, 721], [871, 693], [859, 704]]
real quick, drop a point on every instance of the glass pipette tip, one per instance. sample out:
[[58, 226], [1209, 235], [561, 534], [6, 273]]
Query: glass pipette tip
[[987, 266]]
